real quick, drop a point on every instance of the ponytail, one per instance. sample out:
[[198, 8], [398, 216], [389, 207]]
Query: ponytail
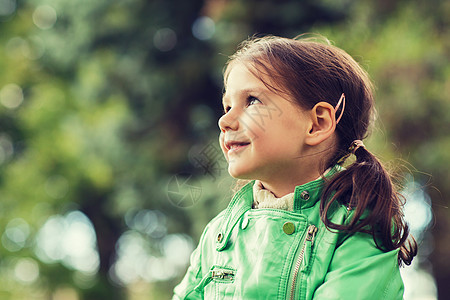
[[365, 187]]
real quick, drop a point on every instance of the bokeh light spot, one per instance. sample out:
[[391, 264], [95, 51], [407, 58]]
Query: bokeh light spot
[[69, 239], [11, 96], [26, 270], [149, 222], [7, 7], [36, 48], [417, 209], [57, 186], [165, 39], [203, 28], [44, 17], [15, 235]]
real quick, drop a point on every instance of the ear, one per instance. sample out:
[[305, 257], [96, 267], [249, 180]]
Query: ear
[[323, 123]]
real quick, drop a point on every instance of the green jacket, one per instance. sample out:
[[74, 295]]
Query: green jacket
[[247, 253]]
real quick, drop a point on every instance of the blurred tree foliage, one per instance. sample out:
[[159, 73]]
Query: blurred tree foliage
[[105, 104]]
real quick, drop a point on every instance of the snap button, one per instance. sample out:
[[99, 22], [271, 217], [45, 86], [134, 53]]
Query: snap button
[[244, 223], [220, 237], [305, 195], [288, 228]]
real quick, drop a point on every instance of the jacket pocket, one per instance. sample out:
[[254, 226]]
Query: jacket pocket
[[216, 274]]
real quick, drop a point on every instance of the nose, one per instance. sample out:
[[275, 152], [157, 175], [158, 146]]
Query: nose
[[228, 122]]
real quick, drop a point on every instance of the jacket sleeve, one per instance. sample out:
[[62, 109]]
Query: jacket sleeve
[[186, 288], [359, 270]]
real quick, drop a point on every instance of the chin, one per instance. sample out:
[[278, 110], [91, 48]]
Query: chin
[[240, 174]]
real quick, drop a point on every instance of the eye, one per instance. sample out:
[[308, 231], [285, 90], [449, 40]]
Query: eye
[[252, 100]]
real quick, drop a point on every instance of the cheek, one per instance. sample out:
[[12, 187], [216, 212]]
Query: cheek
[[251, 130], [269, 150], [279, 142]]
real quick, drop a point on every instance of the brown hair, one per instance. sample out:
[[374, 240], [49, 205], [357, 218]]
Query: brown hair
[[310, 72]]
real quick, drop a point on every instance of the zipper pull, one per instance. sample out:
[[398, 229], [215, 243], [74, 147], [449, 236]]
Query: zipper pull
[[216, 274], [223, 275], [310, 235]]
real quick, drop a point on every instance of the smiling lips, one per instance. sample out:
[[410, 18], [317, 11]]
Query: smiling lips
[[233, 146]]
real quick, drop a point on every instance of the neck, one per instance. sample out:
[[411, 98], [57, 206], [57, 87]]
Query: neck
[[297, 172]]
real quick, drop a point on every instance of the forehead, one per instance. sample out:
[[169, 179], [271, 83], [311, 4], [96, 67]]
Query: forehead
[[240, 78]]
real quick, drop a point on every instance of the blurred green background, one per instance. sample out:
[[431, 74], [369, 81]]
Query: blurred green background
[[109, 161]]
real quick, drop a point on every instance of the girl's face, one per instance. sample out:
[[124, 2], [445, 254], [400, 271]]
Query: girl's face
[[262, 132]]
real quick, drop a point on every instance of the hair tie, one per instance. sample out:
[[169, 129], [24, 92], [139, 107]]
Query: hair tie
[[356, 144]]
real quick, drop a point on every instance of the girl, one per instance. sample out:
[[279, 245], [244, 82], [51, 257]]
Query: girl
[[303, 227]]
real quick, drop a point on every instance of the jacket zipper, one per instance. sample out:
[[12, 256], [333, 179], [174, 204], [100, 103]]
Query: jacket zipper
[[310, 234]]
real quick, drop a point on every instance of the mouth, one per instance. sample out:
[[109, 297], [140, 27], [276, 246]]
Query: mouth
[[233, 146]]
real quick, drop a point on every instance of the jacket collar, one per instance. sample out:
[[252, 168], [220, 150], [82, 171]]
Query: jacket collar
[[305, 196], [241, 202]]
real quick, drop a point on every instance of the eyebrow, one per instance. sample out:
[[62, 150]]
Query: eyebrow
[[246, 91]]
